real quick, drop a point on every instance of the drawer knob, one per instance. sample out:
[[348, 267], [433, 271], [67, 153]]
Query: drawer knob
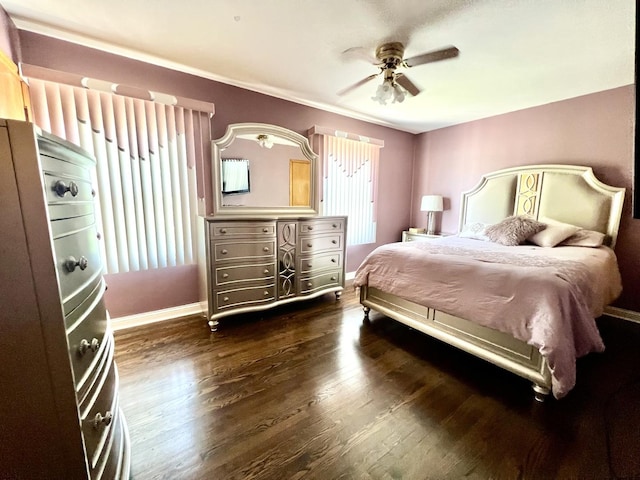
[[266, 293], [309, 245], [265, 230], [333, 260], [71, 263], [225, 275], [86, 345], [310, 228], [265, 249], [62, 188], [335, 225], [308, 265], [334, 241], [266, 271], [309, 284], [224, 251], [93, 192], [225, 299], [223, 230], [333, 279], [99, 419], [98, 235]]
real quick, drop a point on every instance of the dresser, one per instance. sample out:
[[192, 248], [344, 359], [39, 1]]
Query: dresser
[[59, 407], [256, 263]]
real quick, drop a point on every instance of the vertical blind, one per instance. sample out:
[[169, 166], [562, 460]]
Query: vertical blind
[[145, 176], [350, 181]]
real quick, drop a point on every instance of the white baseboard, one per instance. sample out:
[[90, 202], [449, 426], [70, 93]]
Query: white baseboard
[[623, 314], [146, 318]]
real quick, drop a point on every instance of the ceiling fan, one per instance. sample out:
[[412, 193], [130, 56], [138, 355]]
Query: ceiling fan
[[389, 58]]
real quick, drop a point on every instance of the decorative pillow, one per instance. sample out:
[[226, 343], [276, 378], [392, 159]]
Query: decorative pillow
[[555, 233], [514, 230], [476, 230], [585, 238]]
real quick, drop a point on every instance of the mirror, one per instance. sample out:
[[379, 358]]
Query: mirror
[[262, 169]]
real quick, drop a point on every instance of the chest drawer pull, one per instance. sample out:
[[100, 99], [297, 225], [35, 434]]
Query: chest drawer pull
[[309, 284], [85, 345], [223, 230], [71, 263], [102, 420], [333, 260], [333, 279], [265, 249], [334, 241], [224, 251], [225, 299], [62, 188], [266, 293], [265, 230], [335, 225], [310, 228], [225, 275], [309, 245], [266, 271]]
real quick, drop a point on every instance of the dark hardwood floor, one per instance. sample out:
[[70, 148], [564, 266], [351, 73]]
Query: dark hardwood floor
[[309, 391]]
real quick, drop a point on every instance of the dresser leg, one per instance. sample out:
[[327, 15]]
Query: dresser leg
[[338, 294], [213, 325], [540, 393], [366, 314]]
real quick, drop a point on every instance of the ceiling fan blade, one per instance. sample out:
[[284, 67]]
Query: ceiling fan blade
[[361, 53], [434, 56], [357, 84], [407, 84]]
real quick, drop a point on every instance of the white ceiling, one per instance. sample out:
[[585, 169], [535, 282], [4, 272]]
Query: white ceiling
[[514, 54]]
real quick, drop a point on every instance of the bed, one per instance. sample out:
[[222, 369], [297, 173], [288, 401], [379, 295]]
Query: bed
[[527, 308]]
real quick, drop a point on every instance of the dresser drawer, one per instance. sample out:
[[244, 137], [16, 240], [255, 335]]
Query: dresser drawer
[[320, 262], [310, 284], [77, 261], [112, 458], [322, 226], [229, 275], [86, 328], [242, 229], [321, 243], [245, 296], [244, 250], [101, 413]]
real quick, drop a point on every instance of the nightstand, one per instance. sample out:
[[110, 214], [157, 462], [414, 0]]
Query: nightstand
[[420, 237]]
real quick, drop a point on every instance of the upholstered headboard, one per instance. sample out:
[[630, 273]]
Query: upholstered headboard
[[566, 193]]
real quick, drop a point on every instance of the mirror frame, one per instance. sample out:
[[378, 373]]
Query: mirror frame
[[232, 132]]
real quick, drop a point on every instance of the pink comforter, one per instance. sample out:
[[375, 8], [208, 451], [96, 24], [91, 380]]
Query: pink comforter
[[547, 297]]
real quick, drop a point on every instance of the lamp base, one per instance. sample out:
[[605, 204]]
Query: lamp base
[[431, 223]]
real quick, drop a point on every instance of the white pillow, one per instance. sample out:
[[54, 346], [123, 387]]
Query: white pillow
[[474, 230], [555, 233], [585, 238]]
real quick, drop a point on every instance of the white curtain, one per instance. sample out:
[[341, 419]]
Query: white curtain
[[350, 170], [145, 175], [235, 175]]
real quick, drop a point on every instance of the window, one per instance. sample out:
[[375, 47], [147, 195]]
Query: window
[[145, 174], [349, 181]]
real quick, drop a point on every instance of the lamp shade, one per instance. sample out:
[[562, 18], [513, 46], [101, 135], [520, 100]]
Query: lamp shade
[[431, 203]]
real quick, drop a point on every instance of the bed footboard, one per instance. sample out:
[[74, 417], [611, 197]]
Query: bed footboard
[[491, 345]]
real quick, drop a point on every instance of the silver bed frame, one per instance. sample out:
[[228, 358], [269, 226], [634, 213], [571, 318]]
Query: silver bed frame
[[566, 193]]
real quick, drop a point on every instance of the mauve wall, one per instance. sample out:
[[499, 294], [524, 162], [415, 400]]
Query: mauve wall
[[233, 105], [9, 43], [594, 130]]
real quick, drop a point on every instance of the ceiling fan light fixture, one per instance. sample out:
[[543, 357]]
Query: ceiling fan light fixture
[[389, 90], [264, 141]]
